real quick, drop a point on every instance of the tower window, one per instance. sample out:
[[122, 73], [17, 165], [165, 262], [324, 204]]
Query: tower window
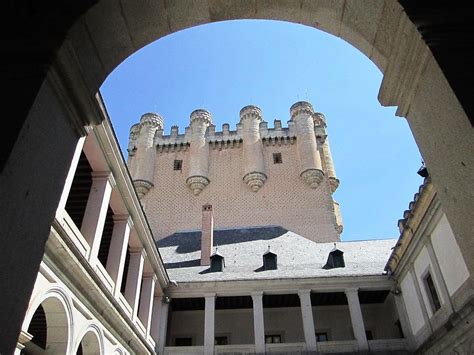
[[432, 293], [277, 159], [177, 165]]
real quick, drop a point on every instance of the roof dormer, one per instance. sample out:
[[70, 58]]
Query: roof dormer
[[335, 259], [269, 260]]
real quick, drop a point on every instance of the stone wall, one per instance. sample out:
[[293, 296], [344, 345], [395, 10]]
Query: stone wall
[[285, 199]]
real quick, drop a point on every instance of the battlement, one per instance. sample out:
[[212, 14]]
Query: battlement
[[249, 165]]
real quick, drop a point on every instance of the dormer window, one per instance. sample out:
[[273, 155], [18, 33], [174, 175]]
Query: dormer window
[[269, 260], [217, 262], [335, 259]]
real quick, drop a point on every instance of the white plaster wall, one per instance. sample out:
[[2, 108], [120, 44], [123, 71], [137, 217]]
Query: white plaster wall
[[413, 306], [422, 264], [236, 324], [186, 324], [449, 256], [380, 319], [285, 321], [335, 320]]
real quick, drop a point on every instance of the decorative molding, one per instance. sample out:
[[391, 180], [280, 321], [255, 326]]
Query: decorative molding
[[312, 177], [152, 120], [251, 112], [197, 183], [201, 116], [301, 108], [142, 187], [255, 180], [333, 183]]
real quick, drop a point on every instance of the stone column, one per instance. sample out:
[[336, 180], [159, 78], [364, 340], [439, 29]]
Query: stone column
[[310, 160], [258, 323], [145, 153], [146, 300], [308, 322], [96, 210], [159, 322], [356, 318], [71, 173], [254, 164], [118, 249], [198, 177], [134, 279], [209, 312]]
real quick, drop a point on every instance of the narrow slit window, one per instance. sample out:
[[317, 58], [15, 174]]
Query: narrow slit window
[[277, 159], [177, 165], [432, 293]]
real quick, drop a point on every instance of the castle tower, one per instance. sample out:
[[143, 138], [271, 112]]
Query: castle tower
[[198, 177], [142, 145], [311, 170], [254, 165], [323, 145]]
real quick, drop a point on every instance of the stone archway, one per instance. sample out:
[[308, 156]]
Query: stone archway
[[49, 326], [91, 343], [111, 31]]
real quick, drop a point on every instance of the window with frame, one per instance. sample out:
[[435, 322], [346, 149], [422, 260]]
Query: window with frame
[[432, 293], [277, 159], [322, 336], [272, 338], [221, 340], [177, 165], [183, 341]]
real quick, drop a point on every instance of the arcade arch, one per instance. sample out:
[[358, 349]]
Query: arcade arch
[[50, 324], [111, 31]]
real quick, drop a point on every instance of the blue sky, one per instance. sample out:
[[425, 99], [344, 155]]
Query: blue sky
[[225, 66]]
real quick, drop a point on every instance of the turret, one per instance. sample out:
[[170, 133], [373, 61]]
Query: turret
[[320, 124], [198, 177], [311, 170], [254, 165], [144, 152]]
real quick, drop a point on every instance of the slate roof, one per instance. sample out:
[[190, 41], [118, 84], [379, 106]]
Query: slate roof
[[243, 248]]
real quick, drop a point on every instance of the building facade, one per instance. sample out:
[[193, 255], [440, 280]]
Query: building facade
[[113, 282], [253, 176]]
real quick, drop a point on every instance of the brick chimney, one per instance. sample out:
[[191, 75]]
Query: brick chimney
[[207, 234]]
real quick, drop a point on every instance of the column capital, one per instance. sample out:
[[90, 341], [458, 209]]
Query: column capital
[[102, 176], [351, 290], [304, 292], [210, 295], [150, 275], [256, 294], [138, 250], [123, 218]]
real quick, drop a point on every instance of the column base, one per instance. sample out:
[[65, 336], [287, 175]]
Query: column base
[[312, 177], [197, 183], [255, 180]]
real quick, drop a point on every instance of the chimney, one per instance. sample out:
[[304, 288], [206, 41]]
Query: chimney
[[207, 234]]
